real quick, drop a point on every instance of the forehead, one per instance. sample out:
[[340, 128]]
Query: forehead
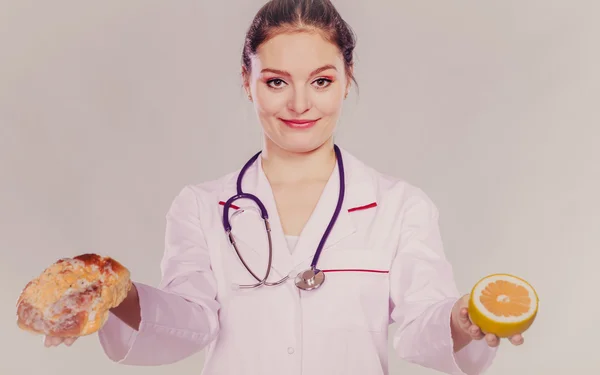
[[298, 53]]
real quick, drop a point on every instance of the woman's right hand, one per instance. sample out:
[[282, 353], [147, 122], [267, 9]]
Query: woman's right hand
[[50, 341]]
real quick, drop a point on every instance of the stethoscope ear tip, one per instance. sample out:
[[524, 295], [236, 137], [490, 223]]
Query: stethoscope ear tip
[[235, 287]]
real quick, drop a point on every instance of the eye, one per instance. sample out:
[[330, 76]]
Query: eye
[[322, 83], [275, 83]]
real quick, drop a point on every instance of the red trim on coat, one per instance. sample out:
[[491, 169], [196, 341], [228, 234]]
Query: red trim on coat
[[232, 206], [356, 270], [365, 207]]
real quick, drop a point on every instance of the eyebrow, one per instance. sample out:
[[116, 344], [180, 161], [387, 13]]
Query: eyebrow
[[287, 74]]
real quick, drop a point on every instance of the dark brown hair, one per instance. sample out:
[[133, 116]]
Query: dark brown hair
[[279, 16]]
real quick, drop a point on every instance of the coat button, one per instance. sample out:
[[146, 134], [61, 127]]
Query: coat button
[[290, 350]]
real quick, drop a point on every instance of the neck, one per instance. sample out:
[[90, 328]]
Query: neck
[[283, 167]]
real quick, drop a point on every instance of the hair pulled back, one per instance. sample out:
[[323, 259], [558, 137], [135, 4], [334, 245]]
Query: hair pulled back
[[281, 16]]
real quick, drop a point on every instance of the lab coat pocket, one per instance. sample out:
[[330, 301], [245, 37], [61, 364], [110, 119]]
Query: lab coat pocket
[[355, 294]]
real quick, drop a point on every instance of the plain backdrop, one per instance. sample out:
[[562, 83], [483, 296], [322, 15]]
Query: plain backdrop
[[107, 109]]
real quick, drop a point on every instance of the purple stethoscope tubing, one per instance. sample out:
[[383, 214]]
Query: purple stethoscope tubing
[[265, 216]]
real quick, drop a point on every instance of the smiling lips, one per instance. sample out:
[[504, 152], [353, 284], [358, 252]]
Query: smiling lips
[[300, 124]]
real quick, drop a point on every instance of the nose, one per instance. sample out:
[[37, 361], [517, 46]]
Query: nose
[[299, 101]]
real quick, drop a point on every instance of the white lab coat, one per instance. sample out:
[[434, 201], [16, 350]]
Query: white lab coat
[[384, 261]]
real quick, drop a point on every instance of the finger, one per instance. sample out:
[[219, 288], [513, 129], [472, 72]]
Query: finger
[[516, 339], [69, 341], [476, 333], [56, 341], [49, 341], [463, 317], [492, 340]]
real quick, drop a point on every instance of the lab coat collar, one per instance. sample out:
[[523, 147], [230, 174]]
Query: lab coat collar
[[359, 192]]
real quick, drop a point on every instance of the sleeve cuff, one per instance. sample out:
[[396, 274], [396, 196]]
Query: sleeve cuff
[[473, 359], [117, 338]]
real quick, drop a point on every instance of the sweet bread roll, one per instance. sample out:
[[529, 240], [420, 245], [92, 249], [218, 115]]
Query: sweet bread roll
[[73, 296]]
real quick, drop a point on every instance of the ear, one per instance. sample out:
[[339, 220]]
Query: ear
[[245, 75], [349, 75]]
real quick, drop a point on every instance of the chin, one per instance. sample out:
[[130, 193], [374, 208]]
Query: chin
[[299, 141]]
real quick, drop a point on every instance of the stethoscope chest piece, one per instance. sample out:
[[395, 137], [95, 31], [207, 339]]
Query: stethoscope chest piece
[[310, 279]]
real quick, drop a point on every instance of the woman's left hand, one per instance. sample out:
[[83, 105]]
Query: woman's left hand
[[462, 323]]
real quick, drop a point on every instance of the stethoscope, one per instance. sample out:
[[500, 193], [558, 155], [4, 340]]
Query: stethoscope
[[309, 279]]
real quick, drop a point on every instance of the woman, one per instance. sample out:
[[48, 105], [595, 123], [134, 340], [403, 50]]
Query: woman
[[381, 262]]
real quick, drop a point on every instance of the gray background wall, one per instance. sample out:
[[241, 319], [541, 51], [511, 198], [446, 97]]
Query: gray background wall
[[108, 108]]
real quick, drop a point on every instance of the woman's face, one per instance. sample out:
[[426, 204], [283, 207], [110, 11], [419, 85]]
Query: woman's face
[[297, 83]]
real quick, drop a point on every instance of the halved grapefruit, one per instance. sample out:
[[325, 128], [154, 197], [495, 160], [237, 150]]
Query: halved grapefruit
[[503, 304]]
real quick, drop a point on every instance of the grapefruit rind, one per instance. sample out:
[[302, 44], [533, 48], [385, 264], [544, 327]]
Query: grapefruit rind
[[501, 326]]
